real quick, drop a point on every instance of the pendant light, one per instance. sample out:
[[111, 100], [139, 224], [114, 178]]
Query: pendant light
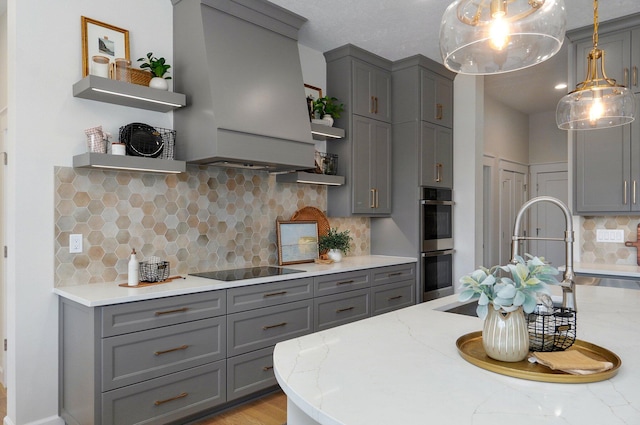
[[597, 102], [494, 36]]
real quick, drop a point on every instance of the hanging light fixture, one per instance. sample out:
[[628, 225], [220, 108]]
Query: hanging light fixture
[[597, 102], [494, 36]]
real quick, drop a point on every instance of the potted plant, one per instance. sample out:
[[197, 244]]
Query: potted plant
[[504, 294], [158, 68], [327, 108], [335, 244]]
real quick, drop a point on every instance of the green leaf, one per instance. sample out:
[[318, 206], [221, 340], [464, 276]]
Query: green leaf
[[466, 295], [509, 291]]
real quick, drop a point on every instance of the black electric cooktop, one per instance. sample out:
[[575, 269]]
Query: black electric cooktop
[[248, 273]]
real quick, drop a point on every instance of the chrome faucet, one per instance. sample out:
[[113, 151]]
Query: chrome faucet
[[568, 283]]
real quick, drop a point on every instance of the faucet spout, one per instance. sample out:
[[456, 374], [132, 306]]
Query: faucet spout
[[568, 281]]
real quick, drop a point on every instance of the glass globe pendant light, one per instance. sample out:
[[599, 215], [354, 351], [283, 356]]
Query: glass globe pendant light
[[494, 36], [597, 102]]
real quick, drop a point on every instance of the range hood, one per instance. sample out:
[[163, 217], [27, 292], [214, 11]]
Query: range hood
[[238, 62]]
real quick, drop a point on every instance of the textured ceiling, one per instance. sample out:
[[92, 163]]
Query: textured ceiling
[[395, 29]]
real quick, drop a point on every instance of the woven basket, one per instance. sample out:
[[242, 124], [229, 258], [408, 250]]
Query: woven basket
[[313, 214], [139, 76]]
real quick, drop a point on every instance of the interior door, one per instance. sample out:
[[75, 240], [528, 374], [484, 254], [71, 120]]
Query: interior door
[[512, 196], [547, 220]]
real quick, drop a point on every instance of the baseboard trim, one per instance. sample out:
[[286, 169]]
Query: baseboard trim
[[51, 420]]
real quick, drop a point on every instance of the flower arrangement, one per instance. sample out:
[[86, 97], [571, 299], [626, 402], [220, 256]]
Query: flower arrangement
[[527, 282], [335, 240], [157, 67]]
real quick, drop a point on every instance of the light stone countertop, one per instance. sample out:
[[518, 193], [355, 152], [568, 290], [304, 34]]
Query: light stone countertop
[[403, 368], [623, 271], [99, 294]]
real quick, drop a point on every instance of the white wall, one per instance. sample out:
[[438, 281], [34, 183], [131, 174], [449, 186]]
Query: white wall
[[547, 143], [506, 134], [45, 130]]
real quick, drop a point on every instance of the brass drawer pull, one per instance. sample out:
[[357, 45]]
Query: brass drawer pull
[[397, 297], [178, 310], [372, 110], [376, 110], [179, 396], [438, 172], [342, 310], [395, 274], [438, 111], [264, 328], [344, 282], [273, 294], [171, 350], [267, 368], [373, 198]]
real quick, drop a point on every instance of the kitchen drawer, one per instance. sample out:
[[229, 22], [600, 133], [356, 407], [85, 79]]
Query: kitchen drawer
[[131, 358], [268, 294], [166, 399], [389, 274], [251, 372], [142, 315], [393, 296], [341, 282], [338, 309], [255, 329]]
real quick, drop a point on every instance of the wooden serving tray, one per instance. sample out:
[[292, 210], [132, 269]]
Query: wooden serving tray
[[143, 284], [471, 349]]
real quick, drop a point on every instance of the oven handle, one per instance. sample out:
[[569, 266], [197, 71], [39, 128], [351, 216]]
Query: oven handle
[[430, 202], [436, 253]]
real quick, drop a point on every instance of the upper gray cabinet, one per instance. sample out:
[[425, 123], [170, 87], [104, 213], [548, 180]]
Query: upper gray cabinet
[[436, 156], [607, 161], [437, 99], [362, 81]]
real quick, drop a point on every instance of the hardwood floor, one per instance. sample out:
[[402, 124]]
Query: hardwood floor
[[3, 402], [268, 410]]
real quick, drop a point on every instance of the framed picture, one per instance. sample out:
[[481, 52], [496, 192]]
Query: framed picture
[[102, 44], [297, 241], [311, 91]]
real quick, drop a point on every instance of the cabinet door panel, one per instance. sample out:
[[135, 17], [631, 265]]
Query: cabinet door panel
[[436, 99], [602, 168], [392, 296], [382, 94], [361, 166], [436, 156], [362, 89], [338, 309], [381, 171], [635, 159], [249, 373]]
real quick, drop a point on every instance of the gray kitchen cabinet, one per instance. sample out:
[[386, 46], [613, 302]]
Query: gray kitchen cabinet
[[134, 363], [436, 99], [393, 287], [362, 81], [339, 309], [436, 156], [250, 372], [341, 282], [607, 161], [251, 297]]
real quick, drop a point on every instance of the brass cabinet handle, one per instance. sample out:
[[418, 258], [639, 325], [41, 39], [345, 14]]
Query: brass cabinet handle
[[624, 193], [177, 310], [438, 111], [397, 297], [171, 350], [264, 328], [376, 110], [179, 396], [438, 172], [344, 282], [626, 77], [273, 294], [394, 274], [634, 76], [342, 310], [266, 368], [372, 110], [372, 198]]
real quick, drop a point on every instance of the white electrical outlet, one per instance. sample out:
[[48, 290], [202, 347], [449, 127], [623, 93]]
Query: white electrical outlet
[[610, 235], [75, 244]]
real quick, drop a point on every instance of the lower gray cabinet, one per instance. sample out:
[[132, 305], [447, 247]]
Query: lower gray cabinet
[[248, 373], [338, 309], [392, 296], [166, 399]]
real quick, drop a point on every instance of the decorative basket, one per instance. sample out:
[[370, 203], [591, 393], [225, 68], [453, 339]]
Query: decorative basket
[[154, 271], [139, 76], [551, 329], [156, 138], [326, 163]]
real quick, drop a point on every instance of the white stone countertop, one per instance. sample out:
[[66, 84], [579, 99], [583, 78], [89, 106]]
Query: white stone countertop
[[403, 368], [618, 270], [99, 294]]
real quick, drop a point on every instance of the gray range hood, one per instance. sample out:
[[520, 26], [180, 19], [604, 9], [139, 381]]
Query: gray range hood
[[238, 63]]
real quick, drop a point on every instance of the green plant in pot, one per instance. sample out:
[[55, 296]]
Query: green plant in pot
[[505, 294], [328, 108], [158, 69], [335, 244]]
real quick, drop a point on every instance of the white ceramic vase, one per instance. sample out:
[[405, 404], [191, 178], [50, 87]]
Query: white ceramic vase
[[335, 255], [328, 119], [159, 83], [505, 336]]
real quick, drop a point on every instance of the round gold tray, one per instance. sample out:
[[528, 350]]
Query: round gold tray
[[471, 349]]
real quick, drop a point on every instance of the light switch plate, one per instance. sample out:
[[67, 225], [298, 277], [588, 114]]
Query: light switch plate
[[75, 244], [610, 235]]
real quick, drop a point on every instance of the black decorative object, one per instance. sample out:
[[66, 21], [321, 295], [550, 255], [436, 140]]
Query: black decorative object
[[141, 140], [551, 329]]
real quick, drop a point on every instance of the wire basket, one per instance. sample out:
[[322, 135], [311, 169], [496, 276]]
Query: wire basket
[[154, 271], [326, 163], [144, 140], [551, 329]]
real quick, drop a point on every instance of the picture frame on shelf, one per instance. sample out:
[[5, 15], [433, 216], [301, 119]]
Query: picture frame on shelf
[[297, 242], [102, 44], [311, 93]]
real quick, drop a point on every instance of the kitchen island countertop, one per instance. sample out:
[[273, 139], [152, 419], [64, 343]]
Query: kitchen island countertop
[[99, 294], [403, 368]]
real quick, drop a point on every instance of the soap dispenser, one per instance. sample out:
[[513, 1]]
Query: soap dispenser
[[133, 270]]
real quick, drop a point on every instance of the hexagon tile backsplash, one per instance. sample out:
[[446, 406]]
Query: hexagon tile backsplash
[[207, 218], [592, 251]]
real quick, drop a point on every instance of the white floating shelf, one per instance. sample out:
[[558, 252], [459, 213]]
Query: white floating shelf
[[129, 163], [323, 132], [310, 178], [128, 94]]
